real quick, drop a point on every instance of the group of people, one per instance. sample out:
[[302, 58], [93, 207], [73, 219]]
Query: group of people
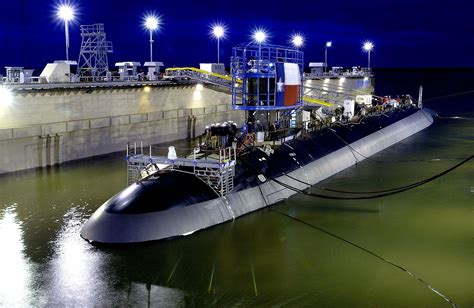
[[220, 134], [389, 102]]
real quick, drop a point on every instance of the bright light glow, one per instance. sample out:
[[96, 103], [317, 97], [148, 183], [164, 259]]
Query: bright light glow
[[366, 78], [152, 22], [259, 36], [297, 40], [368, 46], [199, 87], [65, 12], [197, 95], [326, 80], [147, 89], [342, 79], [329, 44], [74, 267], [6, 97], [16, 280], [218, 31]]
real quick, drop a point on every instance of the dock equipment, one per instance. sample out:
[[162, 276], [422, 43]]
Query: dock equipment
[[216, 168], [199, 76], [93, 61]]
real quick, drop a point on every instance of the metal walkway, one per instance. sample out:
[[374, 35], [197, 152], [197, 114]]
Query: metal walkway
[[198, 75], [216, 170]]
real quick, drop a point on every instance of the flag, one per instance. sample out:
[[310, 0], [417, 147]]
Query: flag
[[288, 83]]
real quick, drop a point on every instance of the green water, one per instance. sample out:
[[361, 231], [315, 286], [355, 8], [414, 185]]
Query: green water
[[261, 259]]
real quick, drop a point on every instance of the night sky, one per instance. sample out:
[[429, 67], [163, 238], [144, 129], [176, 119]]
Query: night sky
[[406, 33]]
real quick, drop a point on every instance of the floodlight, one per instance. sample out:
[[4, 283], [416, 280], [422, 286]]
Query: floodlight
[[65, 12], [259, 36], [218, 31], [368, 46], [152, 23], [297, 40]]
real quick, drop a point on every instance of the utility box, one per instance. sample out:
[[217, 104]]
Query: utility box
[[18, 74], [364, 99], [153, 70], [128, 70], [57, 72], [349, 106], [317, 68], [28, 74], [217, 68], [14, 74]]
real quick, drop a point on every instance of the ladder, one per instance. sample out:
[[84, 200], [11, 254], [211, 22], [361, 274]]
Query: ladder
[[220, 179]]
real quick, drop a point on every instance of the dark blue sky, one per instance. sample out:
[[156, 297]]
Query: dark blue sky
[[406, 33]]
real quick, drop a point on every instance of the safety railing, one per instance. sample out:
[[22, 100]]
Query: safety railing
[[199, 75], [216, 168]]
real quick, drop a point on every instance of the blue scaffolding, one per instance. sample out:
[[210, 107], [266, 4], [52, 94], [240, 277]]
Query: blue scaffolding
[[266, 77]]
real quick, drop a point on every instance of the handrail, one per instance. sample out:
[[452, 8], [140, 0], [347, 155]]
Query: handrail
[[197, 70]]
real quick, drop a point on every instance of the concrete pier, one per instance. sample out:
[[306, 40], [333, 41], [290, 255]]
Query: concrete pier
[[43, 127]]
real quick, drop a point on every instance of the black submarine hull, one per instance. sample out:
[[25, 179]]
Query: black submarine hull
[[312, 159]]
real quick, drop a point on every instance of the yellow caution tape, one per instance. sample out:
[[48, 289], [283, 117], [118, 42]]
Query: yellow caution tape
[[317, 101]]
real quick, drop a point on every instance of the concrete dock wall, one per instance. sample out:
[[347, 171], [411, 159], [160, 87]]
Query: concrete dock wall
[[41, 129]]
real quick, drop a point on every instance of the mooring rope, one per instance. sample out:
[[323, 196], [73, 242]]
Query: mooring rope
[[400, 267], [385, 192], [448, 95], [389, 192]]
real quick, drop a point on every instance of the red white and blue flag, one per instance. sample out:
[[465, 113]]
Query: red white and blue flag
[[288, 83]]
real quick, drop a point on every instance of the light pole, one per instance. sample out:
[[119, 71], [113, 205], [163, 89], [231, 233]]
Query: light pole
[[218, 31], [328, 45], [152, 23], [259, 36], [367, 47], [66, 13]]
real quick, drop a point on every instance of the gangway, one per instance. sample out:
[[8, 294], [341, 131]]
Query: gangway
[[198, 75], [216, 168]]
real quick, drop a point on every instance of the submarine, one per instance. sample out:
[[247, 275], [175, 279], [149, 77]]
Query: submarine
[[234, 171]]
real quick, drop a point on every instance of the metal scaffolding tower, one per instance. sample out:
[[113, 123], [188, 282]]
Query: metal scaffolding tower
[[93, 62]]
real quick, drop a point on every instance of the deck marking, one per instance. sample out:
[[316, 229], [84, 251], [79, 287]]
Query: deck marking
[[228, 207]]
